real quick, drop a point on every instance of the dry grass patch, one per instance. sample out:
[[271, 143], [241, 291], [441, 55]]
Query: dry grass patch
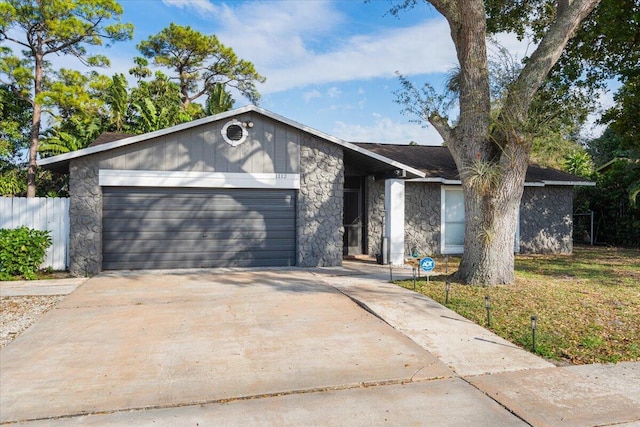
[[587, 304]]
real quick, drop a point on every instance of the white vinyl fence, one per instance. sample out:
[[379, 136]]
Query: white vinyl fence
[[41, 213]]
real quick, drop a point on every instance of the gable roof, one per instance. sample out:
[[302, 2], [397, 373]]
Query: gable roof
[[105, 137], [438, 165], [61, 162]]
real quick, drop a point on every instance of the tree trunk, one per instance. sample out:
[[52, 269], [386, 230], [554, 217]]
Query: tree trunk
[[491, 218], [33, 150], [35, 125], [492, 160]]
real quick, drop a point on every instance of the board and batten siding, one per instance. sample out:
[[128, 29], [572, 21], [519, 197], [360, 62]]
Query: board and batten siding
[[271, 147], [41, 213]]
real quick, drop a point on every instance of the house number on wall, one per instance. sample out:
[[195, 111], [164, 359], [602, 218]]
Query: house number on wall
[[281, 176]]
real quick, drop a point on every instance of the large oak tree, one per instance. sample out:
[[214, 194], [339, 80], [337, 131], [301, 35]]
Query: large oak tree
[[52, 27], [492, 151]]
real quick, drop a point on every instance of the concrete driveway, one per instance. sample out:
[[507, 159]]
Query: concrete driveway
[[226, 347]]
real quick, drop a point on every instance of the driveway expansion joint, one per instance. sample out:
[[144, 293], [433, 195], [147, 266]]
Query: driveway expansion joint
[[360, 385], [501, 404]]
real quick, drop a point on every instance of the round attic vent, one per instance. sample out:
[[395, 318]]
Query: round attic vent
[[234, 132]]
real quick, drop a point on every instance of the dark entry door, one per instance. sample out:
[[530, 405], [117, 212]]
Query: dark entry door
[[353, 223]]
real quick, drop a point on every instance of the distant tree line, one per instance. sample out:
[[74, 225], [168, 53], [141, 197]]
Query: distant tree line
[[47, 111]]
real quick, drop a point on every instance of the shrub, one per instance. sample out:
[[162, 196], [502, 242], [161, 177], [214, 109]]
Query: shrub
[[22, 250]]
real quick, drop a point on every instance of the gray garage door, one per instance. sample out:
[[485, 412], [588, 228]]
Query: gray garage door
[[152, 228]]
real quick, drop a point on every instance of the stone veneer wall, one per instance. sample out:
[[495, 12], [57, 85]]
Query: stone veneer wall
[[546, 220], [422, 218], [320, 204], [85, 211], [421, 214], [375, 209]]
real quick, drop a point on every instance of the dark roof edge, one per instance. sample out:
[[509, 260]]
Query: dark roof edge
[[543, 183]]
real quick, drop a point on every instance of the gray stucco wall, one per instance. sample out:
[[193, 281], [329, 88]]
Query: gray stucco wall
[[320, 203], [546, 221], [85, 211]]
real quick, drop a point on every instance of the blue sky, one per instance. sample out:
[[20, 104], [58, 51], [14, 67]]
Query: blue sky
[[329, 65]]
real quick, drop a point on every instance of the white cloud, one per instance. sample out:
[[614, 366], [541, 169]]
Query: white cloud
[[312, 94], [276, 34], [334, 92], [369, 56], [295, 43], [386, 130], [198, 6]]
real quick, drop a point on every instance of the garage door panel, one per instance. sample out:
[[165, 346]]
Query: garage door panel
[[192, 228], [120, 201], [186, 209], [184, 246], [205, 261], [189, 214], [155, 265], [211, 257], [284, 233], [186, 224]]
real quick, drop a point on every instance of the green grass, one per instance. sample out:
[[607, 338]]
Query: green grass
[[587, 304]]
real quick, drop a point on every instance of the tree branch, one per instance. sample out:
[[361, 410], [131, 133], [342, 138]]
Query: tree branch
[[547, 54], [6, 37], [448, 8], [74, 40], [441, 125]]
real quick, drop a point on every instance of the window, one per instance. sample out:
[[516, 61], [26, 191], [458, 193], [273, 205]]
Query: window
[[452, 221], [452, 211], [234, 133]]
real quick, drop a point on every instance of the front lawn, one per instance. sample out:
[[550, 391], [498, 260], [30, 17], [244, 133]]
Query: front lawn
[[587, 304]]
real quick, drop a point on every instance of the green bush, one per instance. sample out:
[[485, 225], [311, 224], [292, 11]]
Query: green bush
[[22, 250]]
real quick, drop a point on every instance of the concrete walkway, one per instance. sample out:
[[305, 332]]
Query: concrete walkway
[[287, 347], [530, 387], [18, 288], [465, 347]]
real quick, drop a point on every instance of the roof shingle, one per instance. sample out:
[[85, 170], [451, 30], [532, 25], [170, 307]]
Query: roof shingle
[[437, 162]]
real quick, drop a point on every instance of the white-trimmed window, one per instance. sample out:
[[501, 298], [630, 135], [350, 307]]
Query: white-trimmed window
[[452, 221]]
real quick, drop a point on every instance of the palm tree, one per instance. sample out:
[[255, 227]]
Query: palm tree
[[219, 100]]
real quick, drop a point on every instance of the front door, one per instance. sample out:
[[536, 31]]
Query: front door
[[353, 222]]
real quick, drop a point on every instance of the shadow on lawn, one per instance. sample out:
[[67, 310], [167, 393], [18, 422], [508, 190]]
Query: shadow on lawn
[[607, 266]]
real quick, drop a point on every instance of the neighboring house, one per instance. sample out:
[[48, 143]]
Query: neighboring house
[[251, 188]]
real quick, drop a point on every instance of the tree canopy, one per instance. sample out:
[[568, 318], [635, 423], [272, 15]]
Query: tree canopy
[[199, 63], [492, 148], [44, 28]]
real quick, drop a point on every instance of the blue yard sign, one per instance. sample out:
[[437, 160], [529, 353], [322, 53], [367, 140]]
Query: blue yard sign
[[427, 264]]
